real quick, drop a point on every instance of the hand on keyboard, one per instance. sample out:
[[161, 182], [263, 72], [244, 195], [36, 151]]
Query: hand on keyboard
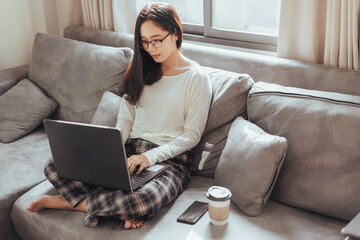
[[136, 169], [138, 162]]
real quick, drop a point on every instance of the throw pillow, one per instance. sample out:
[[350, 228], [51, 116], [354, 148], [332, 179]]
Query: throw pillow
[[322, 163], [76, 74], [10, 77], [107, 111], [22, 109], [207, 152], [249, 165], [229, 97]]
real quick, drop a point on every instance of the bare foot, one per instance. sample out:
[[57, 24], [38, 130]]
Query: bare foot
[[39, 204], [55, 202], [133, 223]]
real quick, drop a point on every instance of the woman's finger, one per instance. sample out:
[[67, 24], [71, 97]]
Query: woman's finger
[[132, 165], [137, 160], [141, 168]]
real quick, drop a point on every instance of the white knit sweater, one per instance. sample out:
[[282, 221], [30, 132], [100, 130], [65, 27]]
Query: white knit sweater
[[171, 113]]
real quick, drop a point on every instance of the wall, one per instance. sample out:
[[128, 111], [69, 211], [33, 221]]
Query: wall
[[20, 20]]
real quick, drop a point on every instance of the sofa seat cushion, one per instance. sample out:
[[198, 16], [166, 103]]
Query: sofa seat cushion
[[76, 74], [321, 168], [22, 167], [277, 221]]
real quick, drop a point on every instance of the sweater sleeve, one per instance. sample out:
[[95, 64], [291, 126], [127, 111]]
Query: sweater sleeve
[[125, 118], [197, 109]]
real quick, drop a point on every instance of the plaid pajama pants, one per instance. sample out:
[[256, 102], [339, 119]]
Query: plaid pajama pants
[[141, 204]]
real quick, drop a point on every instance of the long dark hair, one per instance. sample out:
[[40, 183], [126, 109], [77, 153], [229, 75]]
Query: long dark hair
[[143, 70]]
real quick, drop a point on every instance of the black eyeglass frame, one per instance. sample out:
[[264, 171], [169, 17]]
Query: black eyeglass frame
[[153, 43]]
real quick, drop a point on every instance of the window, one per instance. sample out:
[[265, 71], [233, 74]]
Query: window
[[190, 11], [242, 23]]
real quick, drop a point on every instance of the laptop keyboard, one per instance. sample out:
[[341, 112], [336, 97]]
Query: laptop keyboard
[[139, 178]]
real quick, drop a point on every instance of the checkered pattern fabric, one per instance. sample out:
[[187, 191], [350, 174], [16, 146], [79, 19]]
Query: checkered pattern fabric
[[141, 204]]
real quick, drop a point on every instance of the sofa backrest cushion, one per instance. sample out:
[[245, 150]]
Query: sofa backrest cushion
[[263, 68], [229, 97], [107, 111], [76, 74], [99, 36], [321, 169]]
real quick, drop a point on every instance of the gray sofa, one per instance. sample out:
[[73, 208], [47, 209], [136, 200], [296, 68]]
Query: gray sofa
[[313, 193]]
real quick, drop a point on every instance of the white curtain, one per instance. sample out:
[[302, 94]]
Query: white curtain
[[114, 15], [320, 31], [98, 14]]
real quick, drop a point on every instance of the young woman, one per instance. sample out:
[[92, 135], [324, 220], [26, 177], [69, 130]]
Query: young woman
[[165, 106]]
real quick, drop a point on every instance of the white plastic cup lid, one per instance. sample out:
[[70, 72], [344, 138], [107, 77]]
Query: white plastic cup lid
[[217, 193]]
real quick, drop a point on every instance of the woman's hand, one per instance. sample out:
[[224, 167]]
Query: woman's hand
[[137, 160]]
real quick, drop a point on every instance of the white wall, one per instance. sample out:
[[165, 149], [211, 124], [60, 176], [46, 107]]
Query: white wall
[[16, 33], [20, 20]]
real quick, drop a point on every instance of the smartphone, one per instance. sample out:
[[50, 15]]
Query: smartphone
[[193, 213]]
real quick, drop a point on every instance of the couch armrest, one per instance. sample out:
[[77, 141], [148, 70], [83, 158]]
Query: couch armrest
[[11, 76], [352, 230]]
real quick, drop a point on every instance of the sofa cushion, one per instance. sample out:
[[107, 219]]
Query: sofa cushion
[[322, 129], [277, 221], [250, 164], [107, 111], [207, 152], [22, 109], [22, 167], [229, 96], [76, 74]]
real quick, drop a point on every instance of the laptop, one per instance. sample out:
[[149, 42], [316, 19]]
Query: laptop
[[94, 154]]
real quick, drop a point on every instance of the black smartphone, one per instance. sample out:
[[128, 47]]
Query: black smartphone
[[193, 213]]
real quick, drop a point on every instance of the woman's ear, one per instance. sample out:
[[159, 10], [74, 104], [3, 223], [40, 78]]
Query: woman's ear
[[176, 35]]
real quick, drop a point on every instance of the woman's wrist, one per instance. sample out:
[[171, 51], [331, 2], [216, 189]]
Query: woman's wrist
[[150, 157]]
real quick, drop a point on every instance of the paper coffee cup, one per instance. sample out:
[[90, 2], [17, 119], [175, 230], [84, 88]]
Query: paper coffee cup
[[219, 204]]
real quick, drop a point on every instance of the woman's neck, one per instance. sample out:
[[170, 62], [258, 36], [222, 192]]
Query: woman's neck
[[175, 64]]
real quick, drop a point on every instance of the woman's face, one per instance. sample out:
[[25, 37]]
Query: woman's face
[[150, 32]]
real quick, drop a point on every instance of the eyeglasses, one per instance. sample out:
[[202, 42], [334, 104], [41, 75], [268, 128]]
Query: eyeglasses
[[157, 43]]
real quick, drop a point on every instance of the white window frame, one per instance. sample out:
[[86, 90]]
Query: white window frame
[[208, 34]]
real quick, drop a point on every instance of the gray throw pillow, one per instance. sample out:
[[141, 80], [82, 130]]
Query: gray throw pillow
[[76, 74], [229, 97], [108, 109], [321, 170], [22, 109], [249, 165], [10, 77], [207, 152]]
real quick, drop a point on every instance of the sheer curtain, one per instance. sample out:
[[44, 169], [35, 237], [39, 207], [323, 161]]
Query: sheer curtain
[[321, 31], [114, 15], [98, 14]]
